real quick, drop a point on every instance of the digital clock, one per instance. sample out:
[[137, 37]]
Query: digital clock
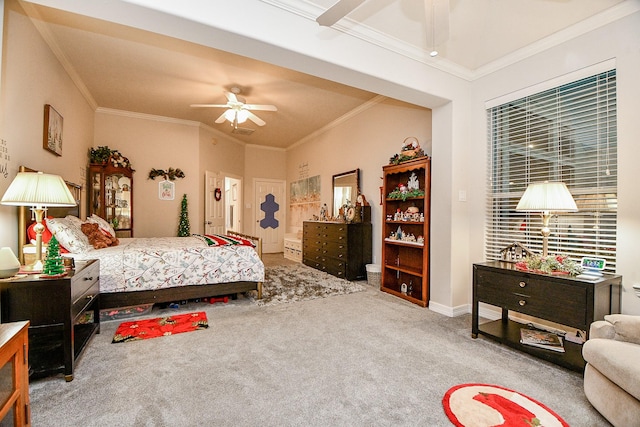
[[593, 263]]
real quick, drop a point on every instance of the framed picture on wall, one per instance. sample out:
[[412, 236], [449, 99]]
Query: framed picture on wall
[[166, 190], [52, 139]]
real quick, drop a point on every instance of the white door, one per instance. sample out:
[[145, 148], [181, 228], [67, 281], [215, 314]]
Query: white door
[[269, 213], [214, 203], [233, 203]]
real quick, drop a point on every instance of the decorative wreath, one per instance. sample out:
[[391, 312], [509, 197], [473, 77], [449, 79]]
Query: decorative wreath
[[217, 194]]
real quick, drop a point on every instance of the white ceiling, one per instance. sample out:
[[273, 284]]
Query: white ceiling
[[123, 68]]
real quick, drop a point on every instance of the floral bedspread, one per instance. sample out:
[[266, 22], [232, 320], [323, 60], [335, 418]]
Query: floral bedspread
[[139, 264]]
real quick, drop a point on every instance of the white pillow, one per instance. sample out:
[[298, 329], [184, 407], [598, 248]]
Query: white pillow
[[75, 221], [68, 235], [103, 224]]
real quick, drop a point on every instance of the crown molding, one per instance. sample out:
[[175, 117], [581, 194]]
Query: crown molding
[[355, 29], [171, 120]]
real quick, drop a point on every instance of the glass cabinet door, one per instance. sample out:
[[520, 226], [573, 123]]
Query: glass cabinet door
[[118, 200]]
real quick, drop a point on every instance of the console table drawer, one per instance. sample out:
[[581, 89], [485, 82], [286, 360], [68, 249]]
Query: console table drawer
[[558, 302]]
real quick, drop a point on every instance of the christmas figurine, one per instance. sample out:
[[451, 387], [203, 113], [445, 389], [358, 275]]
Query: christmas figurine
[[53, 264]]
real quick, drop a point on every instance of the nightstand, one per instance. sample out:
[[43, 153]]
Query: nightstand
[[64, 314]]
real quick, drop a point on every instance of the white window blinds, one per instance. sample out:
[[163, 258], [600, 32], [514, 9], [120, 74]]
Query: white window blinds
[[566, 134]]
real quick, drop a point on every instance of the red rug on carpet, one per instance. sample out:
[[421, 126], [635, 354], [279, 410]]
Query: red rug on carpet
[[159, 327], [484, 405]]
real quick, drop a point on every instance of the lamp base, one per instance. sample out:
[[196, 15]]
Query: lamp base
[[33, 268]]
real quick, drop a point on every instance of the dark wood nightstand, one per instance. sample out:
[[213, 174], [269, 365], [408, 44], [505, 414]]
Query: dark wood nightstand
[[560, 299], [59, 311]]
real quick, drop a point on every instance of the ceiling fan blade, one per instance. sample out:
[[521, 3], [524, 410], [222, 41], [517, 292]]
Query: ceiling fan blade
[[222, 118], [210, 105], [337, 12], [260, 107], [255, 119], [231, 96]]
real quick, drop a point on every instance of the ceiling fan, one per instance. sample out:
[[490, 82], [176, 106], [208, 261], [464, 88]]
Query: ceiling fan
[[436, 13], [238, 111]]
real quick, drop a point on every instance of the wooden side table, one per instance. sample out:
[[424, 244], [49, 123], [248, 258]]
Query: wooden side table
[[14, 374], [565, 300], [59, 311]]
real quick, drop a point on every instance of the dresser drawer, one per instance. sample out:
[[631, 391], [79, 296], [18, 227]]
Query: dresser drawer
[[558, 302], [85, 286]]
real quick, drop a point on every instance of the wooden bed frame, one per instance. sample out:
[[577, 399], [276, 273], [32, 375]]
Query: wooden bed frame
[[126, 299]]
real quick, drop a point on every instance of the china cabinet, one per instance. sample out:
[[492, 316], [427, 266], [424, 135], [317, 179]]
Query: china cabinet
[[111, 196], [405, 230]]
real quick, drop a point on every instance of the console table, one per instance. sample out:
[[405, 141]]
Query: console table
[[561, 299], [57, 310]]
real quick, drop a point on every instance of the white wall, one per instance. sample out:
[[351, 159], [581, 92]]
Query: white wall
[[365, 141], [31, 78], [617, 41]]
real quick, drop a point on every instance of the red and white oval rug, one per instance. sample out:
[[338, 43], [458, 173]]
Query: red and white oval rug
[[485, 405]]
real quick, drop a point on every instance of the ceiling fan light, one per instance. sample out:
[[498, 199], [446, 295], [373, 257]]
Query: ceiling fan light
[[230, 115], [243, 115]]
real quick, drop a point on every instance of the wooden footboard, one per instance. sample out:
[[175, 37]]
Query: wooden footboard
[[181, 293]]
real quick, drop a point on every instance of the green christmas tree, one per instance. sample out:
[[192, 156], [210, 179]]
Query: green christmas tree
[[184, 229], [53, 264]]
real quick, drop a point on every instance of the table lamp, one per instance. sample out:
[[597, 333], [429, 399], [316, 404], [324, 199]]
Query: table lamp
[[546, 198], [39, 191]]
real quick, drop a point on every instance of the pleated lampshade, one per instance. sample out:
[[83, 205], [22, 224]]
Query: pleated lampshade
[[38, 189]]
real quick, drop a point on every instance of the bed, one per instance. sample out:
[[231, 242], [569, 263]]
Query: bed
[[163, 269]]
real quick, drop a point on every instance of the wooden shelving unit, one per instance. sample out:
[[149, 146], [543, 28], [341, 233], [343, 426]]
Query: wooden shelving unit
[[406, 262]]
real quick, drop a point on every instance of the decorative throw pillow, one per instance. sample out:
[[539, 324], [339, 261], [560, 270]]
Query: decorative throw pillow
[[103, 224], [77, 222], [627, 327], [69, 236]]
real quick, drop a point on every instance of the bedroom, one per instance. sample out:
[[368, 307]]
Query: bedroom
[[457, 128], [32, 77]]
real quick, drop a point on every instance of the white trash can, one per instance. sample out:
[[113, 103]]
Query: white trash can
[[374, 274]]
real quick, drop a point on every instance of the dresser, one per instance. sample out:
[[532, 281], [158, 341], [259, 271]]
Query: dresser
[[340, 249], [64, 314], [561, 299]]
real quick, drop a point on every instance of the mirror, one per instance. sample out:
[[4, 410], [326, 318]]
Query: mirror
[[346, 186]]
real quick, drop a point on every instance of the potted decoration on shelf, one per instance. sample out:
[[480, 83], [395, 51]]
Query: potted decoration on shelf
[[103, 155], [410, 150]]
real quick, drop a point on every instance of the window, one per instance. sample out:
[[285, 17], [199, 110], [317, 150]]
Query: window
[[569, 134]]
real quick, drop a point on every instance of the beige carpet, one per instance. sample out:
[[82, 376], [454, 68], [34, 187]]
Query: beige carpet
[[362, 359]]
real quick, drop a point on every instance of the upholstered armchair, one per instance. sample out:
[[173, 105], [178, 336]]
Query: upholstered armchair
[[612, 373]]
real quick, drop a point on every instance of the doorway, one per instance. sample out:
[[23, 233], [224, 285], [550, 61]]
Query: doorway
[[269, 213]]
